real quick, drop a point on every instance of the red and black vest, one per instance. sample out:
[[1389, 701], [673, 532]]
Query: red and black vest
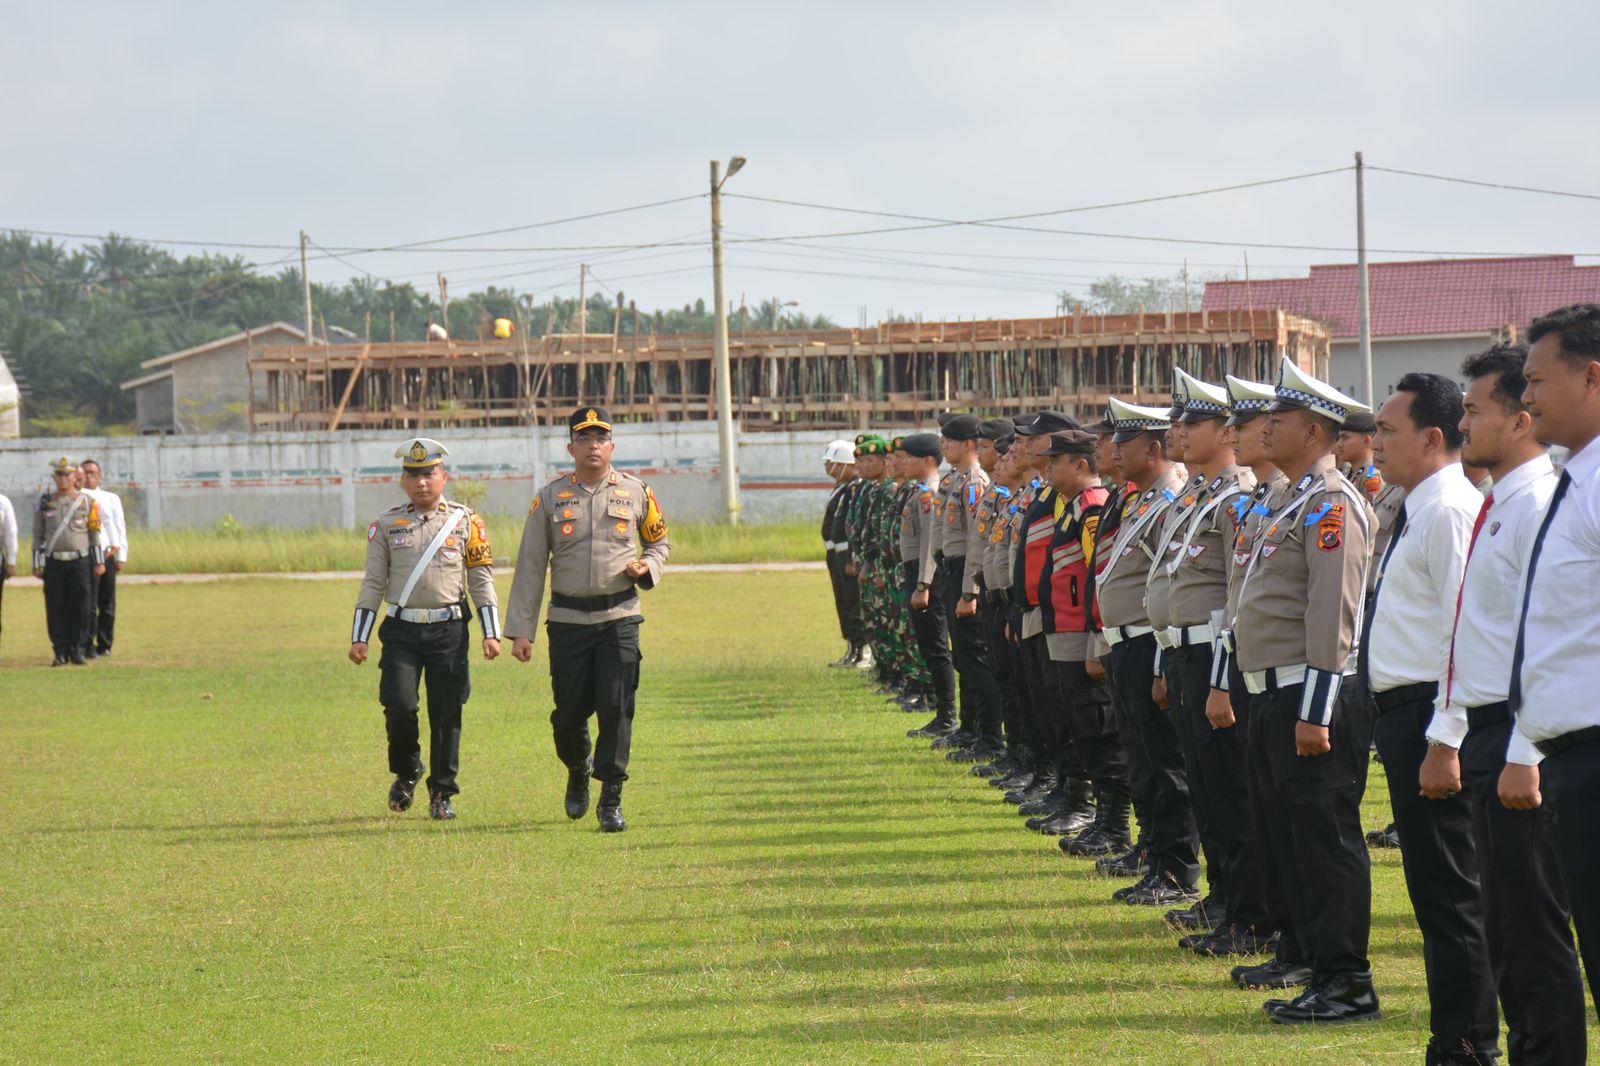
[[1064, 592], [1033, 556]]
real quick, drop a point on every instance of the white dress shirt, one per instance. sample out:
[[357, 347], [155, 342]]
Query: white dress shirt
[[1491, 592], [1561, 638], [113, 523], [8, 533], [1416, 609]]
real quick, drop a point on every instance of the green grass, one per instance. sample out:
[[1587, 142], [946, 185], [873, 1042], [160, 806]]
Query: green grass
[[258, 550], [197, 866]]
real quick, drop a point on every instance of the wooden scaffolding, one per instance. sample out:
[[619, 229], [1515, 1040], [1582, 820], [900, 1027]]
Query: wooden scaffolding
[[896, 374]]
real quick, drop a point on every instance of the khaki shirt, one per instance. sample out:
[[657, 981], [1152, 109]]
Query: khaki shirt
[[941, 495], [1120, 588], [397, 541], [1305, 583], [80, 513], [1386, 503], [993, 528], [1256, 512], [1196, 564], [960, 524], [915, 518], [583, 535], [1157, 586]]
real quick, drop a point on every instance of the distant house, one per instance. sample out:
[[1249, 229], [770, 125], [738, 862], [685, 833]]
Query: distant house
[[10, 403], [204, 389], [1426, 315]]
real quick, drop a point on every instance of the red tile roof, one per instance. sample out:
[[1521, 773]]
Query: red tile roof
[[1426, 297]]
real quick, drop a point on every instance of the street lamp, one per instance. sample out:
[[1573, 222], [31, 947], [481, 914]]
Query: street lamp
[[728, 455]]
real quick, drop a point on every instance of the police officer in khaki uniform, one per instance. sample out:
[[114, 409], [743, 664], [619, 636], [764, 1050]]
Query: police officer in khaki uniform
[[919, 524], [1192, 580], [68, 554], [1300, 609], [423, 558], [979, 736], [587, 529]]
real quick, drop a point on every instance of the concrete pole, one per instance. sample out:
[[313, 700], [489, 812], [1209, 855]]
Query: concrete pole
[[583, 306], [728, 458], [305, 280], [1364, 309]]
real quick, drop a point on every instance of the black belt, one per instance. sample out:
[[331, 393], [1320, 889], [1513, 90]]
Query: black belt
[[1567, 741], [1490, 714], [1394, 698], [998, 596], [593, 603]]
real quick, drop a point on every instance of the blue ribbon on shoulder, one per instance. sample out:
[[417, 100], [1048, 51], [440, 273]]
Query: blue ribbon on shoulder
[[1311, 519]]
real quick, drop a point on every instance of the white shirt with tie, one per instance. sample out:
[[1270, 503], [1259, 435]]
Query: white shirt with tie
[[1421, 575], [1491, 591], [113, 523], [8, 532], [1561, 637]]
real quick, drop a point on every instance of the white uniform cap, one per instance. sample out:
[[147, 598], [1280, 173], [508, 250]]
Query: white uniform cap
[[840, 451], [1128, 420], [1199, 400], [1299, 390]]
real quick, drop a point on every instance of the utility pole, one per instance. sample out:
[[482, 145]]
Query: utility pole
[[1364, 308], [583, 308], [305, 281], [727, 457]]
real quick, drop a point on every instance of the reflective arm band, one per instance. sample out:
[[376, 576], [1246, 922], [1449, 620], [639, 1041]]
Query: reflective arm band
[[1319, 696], [362, 629], [1220, 661], [489, 618]]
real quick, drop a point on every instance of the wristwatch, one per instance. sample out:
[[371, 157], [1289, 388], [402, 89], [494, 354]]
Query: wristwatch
[[922, 586], [969, 597]]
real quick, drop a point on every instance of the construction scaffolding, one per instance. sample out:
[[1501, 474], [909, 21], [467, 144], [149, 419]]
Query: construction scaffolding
[[895, 374]]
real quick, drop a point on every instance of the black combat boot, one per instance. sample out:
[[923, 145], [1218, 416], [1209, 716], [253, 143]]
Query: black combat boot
[[439, 808], [402, 792], [1109, 833], [610, 809], [577, 791], [1345, 997], [1081, 810]]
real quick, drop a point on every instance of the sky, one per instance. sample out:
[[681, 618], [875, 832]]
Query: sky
[[374, 124]]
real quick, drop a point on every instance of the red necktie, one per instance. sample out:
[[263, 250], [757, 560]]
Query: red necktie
[[1483, 512]]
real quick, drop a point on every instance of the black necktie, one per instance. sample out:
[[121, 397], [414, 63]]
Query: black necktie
[[1514, 696], [1363, 658]]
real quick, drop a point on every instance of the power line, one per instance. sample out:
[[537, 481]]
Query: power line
[[1487, 184]]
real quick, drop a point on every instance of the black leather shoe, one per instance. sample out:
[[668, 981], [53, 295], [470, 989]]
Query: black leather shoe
[[577, 792], [90, 653], [1159, 890], [1019, 778], [439, 808], [1346, 997], [59, 660], [1200, 918], [1272, 974], [1076, 818], [1226, 943], [1041, 803], [941, 726], [1387, 837], [610, 809], [401, 793], [105, 653], [1135, 862], [913, 703], [1062, 824], [78, 657], [957, 739], [1121, 894]]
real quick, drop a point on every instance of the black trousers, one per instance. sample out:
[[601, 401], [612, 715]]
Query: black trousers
[[1169, 822], [933, 638], [974, 662], [846, 598], [1003, 659], [1442, 880], [1050, 715], [103, 608], [1138, 775], [1255, 892], [1308, 814], [1570, 785], [68, 597], [1214, 759], [1524, 912], [434, 655], [1028, 726], [594, 672], [1092, 728]]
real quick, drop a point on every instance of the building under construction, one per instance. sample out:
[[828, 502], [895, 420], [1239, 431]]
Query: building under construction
[[896, 374]]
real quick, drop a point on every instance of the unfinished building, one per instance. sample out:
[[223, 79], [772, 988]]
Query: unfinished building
[[893, 374]]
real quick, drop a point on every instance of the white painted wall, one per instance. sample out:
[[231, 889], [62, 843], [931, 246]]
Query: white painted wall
[[342, 479]]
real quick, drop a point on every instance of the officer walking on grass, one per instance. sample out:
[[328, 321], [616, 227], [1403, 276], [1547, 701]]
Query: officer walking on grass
[[423, 558], [8, 542], [582, 529]]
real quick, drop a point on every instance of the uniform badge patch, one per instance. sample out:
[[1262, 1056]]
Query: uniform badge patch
[[1494, 527], [566, 530], [565, 494], [653, 528], [1268, 550], [478, 553], [622, 527], [1241, 558], [1330, 529], [566, 512], [534, 506], [372, 531], [1196, 550], [624, 493]]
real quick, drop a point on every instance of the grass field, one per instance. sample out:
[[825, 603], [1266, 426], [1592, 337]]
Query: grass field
[[260, 550], [198, 866]]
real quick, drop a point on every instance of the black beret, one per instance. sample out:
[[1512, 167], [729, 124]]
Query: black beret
[[1360, 422], [1046, 422], [1071, 442], [962, 427], [995, 428], [1003, 444], [921, 445], [944, 418]]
